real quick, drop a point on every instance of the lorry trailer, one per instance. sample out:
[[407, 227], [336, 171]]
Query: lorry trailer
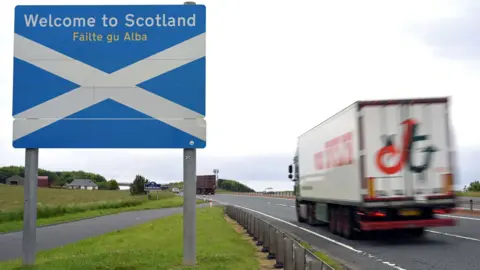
[[206, 184], [377, 165]]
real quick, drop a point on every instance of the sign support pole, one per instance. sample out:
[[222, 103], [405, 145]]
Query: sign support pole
[[189, 205], [189, 200], [30, 206]]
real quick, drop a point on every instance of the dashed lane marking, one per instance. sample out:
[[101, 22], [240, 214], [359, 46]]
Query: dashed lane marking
[[455, 235]]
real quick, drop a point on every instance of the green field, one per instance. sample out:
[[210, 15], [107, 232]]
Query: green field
[[11, 197], [154, 245], [61, 205]]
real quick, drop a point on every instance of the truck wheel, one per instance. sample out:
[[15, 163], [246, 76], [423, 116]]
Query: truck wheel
[[332, 223], [311, 214], [299, 217], [348, 226], [340, 220]]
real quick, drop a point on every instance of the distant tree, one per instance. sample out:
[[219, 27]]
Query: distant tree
[[473, 187], [138, 185], [103, 186], [113, 185]]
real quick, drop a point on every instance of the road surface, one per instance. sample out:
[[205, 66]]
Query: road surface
[[57, 235], [443, 248]]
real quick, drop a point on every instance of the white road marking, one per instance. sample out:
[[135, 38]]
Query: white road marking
[[454, 235], [282, 204], [460, 217], [394, 266]]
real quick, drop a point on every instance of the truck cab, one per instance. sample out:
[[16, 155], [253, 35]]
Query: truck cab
[[294, 173]]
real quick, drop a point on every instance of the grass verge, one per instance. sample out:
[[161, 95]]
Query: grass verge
[[333, 263], [143, 204], [467, 194], [260, 256], [153, 245]]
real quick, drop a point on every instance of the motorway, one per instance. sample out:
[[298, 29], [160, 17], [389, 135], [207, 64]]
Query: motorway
[[443, 248], [448, 248]]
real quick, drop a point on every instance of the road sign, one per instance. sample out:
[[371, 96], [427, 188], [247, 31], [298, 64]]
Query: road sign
[[152, 186], [109, 76]]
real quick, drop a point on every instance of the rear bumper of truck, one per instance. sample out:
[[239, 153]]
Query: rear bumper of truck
[[406, 224]]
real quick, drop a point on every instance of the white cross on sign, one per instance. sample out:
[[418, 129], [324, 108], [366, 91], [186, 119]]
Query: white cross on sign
[[96, 86]]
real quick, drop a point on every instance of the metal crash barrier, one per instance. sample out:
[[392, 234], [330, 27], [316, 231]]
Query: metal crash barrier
[[278, 245]]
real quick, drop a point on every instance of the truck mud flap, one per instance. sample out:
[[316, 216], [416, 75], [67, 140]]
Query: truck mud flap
[[407, 224]]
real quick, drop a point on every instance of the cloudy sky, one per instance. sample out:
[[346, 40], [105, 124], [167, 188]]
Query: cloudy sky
[[277, 68]]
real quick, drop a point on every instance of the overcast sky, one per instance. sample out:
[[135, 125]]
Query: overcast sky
[[277, 68]]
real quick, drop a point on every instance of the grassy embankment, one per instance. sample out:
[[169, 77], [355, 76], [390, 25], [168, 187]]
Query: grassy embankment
[[467, 194], [324, 257], [154, 245], [222, 191], [62, 205]]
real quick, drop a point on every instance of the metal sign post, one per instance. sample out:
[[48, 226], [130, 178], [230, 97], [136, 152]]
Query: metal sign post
[[189, 205], [189, 202], [30, 207]]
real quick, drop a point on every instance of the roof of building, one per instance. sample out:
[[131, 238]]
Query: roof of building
[[83, 183], [15, 177]]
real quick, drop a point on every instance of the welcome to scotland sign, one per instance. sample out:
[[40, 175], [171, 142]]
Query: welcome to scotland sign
[[109, 76]]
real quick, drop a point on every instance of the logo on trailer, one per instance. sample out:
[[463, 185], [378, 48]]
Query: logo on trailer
[[405, 151], [337, 152]]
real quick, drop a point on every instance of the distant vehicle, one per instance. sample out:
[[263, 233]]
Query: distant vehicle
[[206, 184], [175, 190], [269, 190], [377, 165]]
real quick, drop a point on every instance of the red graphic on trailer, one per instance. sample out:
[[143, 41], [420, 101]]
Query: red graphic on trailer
[[337, 152], [404, 151]]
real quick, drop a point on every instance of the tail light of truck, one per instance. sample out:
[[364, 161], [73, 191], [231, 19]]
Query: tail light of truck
[[376, 214], [441, 211], [448, 183], [373, 213]]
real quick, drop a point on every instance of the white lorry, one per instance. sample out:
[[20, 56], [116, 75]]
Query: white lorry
[[377, 165]]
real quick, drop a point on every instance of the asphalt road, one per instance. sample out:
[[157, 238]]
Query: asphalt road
[[442, 249], [57, 235]]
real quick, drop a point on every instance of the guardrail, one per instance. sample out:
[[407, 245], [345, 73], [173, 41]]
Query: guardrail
[[473, 205], [462, 203], [284, 194], [279, 246]]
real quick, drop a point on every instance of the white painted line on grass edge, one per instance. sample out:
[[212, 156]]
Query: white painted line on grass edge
[[454, 235], [326, 238]]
